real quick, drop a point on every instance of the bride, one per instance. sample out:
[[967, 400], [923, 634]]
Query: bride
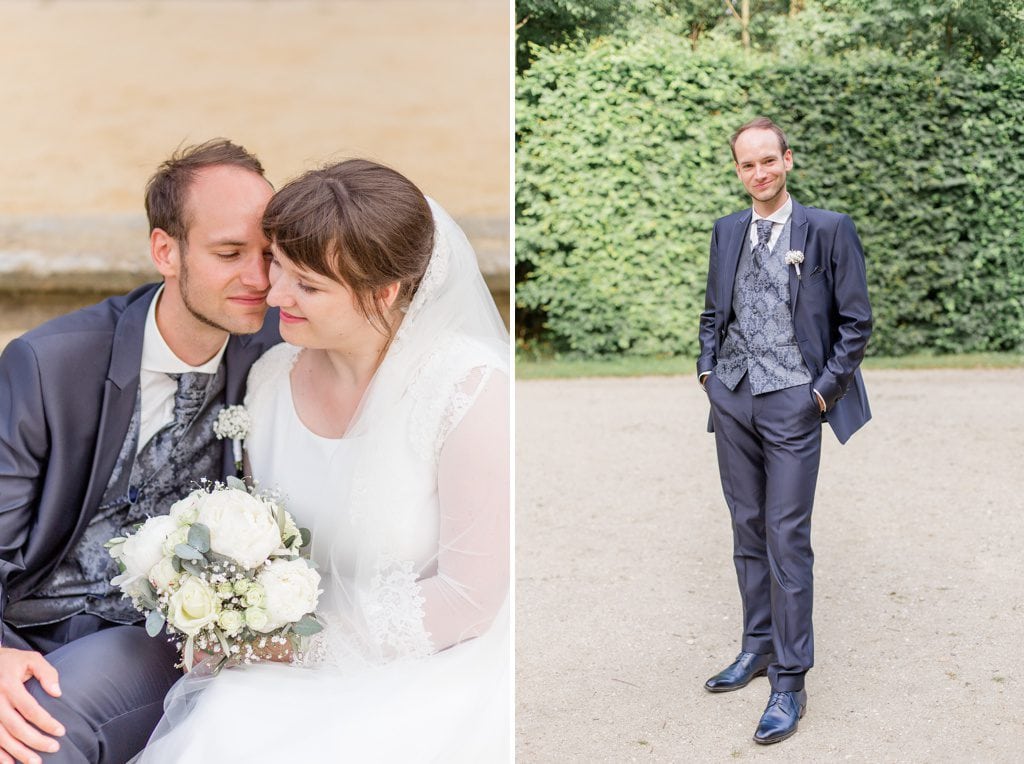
[[383, 423]]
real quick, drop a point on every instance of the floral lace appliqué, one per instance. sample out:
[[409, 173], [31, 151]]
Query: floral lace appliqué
[[435, 414], [393, 607]]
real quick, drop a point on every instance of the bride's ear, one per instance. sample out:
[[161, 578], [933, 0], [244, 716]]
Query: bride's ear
[[387, 295]]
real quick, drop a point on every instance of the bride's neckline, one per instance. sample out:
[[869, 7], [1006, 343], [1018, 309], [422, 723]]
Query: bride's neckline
[[330, 439]]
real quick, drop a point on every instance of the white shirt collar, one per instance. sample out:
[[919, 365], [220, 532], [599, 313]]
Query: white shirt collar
[[781, 215], [157, 355]]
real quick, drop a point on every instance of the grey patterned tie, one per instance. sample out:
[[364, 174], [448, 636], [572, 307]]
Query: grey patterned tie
[[764, 235], [188, 402], [190, 397]]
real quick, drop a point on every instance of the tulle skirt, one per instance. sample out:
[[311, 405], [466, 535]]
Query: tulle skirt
[[453, 706]]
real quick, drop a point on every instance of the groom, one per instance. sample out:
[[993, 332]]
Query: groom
[[783, 332], [106, 418]]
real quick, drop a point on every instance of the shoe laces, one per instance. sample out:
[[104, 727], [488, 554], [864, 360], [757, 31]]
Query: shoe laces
[[776, 699]]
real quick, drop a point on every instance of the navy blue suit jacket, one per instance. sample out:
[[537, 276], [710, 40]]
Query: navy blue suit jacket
[[67, 392], [829, 303]]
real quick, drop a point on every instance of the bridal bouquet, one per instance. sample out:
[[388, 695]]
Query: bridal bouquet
[[224, 574]]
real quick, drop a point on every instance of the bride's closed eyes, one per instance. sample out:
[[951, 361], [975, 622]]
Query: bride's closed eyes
[[302, 285]]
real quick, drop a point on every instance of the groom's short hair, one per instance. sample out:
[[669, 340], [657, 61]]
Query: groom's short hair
[[167, 190], [759, 123]]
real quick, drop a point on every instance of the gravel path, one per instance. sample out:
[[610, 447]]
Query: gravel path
[[627, 598]]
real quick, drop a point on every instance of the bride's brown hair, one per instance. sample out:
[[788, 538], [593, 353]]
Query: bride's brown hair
[[358, 222]]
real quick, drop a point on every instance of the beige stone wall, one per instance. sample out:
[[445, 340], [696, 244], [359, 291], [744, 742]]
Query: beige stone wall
[[96, 93]]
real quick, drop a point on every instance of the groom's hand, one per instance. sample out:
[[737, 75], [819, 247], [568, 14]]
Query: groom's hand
[[21, 716]]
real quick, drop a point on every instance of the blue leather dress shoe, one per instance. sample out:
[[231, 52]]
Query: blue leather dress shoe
[[739, 673], [781, 716]]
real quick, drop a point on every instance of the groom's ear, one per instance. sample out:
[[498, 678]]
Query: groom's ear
[[165, 253]]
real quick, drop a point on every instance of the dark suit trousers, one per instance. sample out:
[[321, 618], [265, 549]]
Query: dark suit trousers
[[769, 448], [113, 680]]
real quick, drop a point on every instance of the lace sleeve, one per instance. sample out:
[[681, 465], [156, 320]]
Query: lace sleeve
[[472, 578], [277, 361]]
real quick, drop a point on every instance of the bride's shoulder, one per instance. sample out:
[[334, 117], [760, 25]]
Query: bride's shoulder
[[448, 382], [457, 361], [272, 366]]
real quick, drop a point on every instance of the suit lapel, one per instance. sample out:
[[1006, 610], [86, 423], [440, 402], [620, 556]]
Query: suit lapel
[[242, 351], [797, 241], [237, 360], [119, 393], [731, 250]]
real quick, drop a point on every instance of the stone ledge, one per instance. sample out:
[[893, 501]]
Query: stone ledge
[[108, 254]]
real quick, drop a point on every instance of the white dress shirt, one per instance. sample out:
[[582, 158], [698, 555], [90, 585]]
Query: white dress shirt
[[158, 389], [779, 219]]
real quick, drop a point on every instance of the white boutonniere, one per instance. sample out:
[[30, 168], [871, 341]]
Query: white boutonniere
[[794, 257], [233, 422]]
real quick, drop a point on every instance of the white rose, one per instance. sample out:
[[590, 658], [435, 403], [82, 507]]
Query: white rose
[[178, 536], [186, 510], [231, 621], [254, 596], [163, 574], [291, 591], [256, 619], [241, 526], [140, 552], [192, 606]]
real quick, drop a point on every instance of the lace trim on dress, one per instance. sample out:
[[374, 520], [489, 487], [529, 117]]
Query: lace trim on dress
[[451, 367], [393, 607], [276, 362]]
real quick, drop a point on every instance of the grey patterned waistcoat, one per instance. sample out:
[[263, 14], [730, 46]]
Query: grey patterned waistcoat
[[760, 340], [81, 583]]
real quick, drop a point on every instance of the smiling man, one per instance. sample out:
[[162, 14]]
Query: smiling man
[[785, 325], [106, 418]]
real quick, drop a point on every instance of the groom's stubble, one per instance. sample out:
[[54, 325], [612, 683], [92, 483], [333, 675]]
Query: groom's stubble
[[190, 303]]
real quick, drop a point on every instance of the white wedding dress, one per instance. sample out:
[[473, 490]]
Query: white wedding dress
[[410, 520]]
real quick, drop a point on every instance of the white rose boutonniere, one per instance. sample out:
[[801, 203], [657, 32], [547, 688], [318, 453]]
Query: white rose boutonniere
[[794, 257], [233, 422]]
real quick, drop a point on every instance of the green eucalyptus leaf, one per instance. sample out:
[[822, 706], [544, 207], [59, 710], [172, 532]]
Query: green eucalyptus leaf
[[155, 623], [199, 537], [187, 552], [233, 482], [307, 626]]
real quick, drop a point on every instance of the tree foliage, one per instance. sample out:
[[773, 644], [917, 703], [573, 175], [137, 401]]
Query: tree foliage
[[972, 32], [543, 23]]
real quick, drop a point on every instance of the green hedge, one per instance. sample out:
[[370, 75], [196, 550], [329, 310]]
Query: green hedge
[[623, 165]]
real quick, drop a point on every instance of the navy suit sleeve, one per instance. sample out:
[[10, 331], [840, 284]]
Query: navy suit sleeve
[[851, 312], [24, 444], [706, 361]]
